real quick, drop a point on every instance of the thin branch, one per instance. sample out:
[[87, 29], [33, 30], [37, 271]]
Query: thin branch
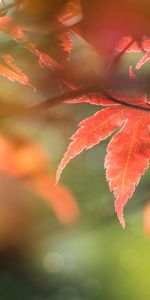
[[38, 108], [86, 91]]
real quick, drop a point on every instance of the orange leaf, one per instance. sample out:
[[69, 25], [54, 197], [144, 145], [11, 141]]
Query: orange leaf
[[30, 160], [58, 197], [11, 71], [44, 59], [71, 13]]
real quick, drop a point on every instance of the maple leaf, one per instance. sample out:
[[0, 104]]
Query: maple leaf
[[128, 152], [65, 42], [70, 17], [11, 71], [71, 13], [31, 162], [105, 22], [58, 197], [8, 26], [145, 46], [141, 46], [28, 163], [44, 58]]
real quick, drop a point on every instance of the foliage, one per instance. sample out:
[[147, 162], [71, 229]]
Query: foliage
[[103, 25]]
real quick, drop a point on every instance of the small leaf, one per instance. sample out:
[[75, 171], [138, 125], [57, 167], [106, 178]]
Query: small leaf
[[65, 42], [44, 59], [8, 26], [12, 71]]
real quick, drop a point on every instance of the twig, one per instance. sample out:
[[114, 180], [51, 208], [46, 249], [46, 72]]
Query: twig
[[85, 91], [38, 108]]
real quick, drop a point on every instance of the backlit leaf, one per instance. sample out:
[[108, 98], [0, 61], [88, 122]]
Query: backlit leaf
[[128, 152]]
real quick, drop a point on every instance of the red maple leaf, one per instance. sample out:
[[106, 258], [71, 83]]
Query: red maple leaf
[[140, 45], [8, 26], [44, 59], [10, 70], [127, 44], [28, 164], [128, 152], [71, 13], [31, 165]]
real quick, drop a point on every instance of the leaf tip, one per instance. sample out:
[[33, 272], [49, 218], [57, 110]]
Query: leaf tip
[[131, 73], [122, 222], [57, 176], [58, 173], [119, 211]]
